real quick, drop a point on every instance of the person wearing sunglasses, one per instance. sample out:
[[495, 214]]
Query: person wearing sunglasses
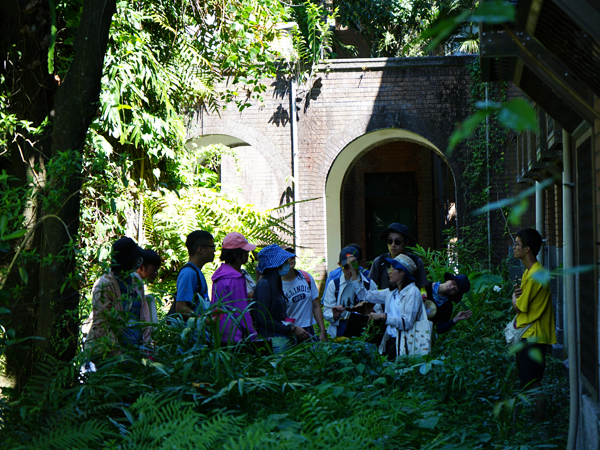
[[192, 291], [397, 238]]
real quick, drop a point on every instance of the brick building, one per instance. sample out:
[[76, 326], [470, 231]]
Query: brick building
[[552, 53], [367, 144]]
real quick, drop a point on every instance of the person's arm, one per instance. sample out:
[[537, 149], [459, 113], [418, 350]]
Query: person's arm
[[187, 283], [331, 310], [318, 314], [262, 296], [443, 317], [415, 304], [518, 292]]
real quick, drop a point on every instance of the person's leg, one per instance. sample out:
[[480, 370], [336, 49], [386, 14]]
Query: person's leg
[[531, 364]]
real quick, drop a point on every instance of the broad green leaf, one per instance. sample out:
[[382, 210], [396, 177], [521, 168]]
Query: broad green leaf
[[541, 276], [15, 235], [494, 12], [338, 391], [482, 281], [23, 274], [466, 129], [428, 422], [517, 211], [518, 115]]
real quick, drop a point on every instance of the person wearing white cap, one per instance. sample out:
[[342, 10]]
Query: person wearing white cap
[[402, 300]]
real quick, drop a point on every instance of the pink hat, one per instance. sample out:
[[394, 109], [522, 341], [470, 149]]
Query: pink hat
[[237, 240]]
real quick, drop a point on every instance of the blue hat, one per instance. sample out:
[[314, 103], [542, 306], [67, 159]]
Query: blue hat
[[350, 250], [405, 263], [462, 282], [396, 228], [272, 256]]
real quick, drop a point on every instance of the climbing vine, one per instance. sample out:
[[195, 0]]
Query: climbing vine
[[484, 176]]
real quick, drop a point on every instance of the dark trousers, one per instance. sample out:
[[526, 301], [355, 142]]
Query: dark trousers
[[531, 362]]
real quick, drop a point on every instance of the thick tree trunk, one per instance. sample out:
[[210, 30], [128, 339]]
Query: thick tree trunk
[[47, 306]]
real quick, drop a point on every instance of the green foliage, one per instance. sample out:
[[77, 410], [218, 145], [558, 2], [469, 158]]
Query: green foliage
[[322, 395], [517, 114], [391, 27], [312, 38], [457, 15]]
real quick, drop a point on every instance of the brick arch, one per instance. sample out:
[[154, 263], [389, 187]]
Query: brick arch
[[339, 157], [249, 136]]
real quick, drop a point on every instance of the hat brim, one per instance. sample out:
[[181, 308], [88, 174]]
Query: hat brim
[[248, 247], [384, 234], [458, 297], [396, 265]]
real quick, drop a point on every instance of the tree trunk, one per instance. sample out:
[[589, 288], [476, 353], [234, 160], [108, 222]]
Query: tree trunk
[[47, 305]]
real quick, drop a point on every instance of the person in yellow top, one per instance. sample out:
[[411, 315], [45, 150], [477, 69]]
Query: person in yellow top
[[533, 304]]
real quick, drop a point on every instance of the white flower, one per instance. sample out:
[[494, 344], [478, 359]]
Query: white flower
[[497, 288], [88, 367]]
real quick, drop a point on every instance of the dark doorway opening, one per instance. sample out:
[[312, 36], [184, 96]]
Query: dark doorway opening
[[389, 197]]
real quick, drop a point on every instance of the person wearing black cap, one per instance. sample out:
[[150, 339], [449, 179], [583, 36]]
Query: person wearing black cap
[[397, 238], [336, 273], [118, 290], [340, 294], [444, 295]]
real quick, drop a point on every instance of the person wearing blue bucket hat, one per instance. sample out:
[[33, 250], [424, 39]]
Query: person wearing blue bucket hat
[[397, 238], [270, 311], [444, 295], [402, 300]]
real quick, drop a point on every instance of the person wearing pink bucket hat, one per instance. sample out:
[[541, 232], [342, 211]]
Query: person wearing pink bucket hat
[[230, 290]]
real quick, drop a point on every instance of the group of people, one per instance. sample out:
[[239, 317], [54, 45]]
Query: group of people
[[285, 300]]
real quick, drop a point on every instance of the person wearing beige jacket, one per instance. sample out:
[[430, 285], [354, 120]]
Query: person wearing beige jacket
[[119, 306]]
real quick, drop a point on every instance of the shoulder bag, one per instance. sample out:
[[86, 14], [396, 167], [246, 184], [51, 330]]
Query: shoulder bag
[[513, 334], [417, 340]]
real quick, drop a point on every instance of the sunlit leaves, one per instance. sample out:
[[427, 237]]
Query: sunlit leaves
[[517, 114], [494, 12], [520, 201]]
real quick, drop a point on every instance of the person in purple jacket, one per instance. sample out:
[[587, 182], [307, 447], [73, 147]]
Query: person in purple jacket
[[230, 290]]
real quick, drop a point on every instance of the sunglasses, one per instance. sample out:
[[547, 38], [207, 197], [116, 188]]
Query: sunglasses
[[395, 241]]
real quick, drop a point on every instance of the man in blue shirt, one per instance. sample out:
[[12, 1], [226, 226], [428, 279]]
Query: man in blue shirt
[[192, 291]]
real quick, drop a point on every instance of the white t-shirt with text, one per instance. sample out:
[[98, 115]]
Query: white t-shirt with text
[[298, 298]]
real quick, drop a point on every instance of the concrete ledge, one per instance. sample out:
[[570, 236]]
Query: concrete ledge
[[339, 65]]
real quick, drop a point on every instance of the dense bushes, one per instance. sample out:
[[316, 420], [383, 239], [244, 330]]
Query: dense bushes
[[328, 395]]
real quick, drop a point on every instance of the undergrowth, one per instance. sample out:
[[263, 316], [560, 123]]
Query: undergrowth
[[194, 394]]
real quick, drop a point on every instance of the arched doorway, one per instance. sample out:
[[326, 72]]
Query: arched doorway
[[362, 188], [249, 175]]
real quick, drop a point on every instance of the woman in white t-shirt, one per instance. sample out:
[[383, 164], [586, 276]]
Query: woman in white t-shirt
[[301, 297]]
